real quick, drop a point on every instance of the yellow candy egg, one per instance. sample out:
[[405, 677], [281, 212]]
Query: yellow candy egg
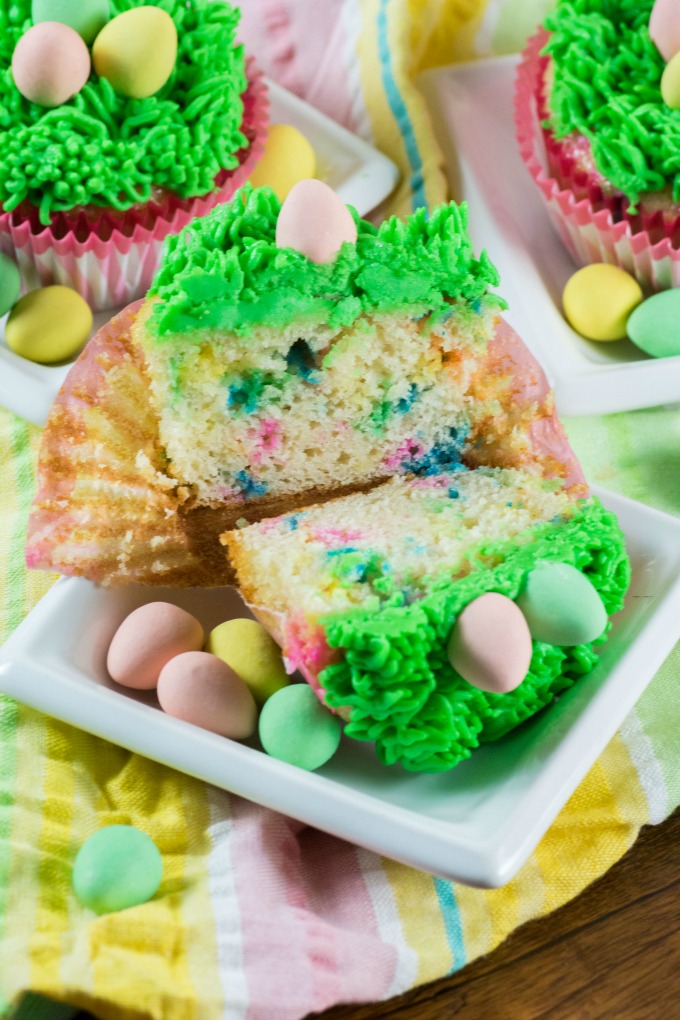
[[252, 653], [670, 83], [288, 158], [137, 51], [49, 325], [598, 300]]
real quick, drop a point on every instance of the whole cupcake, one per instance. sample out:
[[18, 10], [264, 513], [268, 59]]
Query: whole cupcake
[[120, 121], [600, 134]]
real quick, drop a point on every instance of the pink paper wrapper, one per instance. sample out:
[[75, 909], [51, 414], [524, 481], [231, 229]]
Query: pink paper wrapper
[[110, 258], [588, 215]]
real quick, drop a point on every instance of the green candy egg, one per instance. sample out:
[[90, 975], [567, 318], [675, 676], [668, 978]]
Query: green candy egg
[[118, 867], [654, 326], [86, 17], [10, 284], [296, 728], [561, 606]]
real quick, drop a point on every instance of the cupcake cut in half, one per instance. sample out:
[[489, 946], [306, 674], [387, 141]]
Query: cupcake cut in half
[[253, 380], [363, 594]]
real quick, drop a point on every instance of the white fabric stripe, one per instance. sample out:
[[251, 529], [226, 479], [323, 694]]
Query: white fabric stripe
[[389, 923], [225, 908], [487, 29], [644, 759], [351, 23]]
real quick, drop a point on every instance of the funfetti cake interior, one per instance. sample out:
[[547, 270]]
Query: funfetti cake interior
[[253, 379], [363, 594]]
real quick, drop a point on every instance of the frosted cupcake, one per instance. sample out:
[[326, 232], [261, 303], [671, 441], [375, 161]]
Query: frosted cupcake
[[90, 189], [599, 139]]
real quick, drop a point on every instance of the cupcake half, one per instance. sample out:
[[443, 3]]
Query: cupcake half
[[90, 190], [599, 140]]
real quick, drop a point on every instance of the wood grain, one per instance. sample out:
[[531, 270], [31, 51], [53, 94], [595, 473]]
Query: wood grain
[[613, 952]]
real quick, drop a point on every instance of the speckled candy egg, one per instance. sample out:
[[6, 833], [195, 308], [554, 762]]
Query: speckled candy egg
[[86, 17], [50, 64], [252, 653], [655, 326], [664, 27], [314, 221], [49, 325], [598, 300], [147, 639], [287, 158], [136, 52], [204, 690], [490, 644], [561, 606]]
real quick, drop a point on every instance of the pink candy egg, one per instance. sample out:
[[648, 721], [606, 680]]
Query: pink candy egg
[[490, 644], [50, 64], [314, 221], [147, 639], [202, 689], [664, 27]]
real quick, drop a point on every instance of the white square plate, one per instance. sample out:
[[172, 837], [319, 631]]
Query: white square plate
[[359, 174], [472, 109], [476, 823]]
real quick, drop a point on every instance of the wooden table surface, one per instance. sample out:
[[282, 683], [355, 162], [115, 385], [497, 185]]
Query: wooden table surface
[[613, 953]]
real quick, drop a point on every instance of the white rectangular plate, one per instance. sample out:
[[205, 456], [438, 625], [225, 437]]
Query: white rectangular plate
[[472, 109], [476, 824], [359, 174]]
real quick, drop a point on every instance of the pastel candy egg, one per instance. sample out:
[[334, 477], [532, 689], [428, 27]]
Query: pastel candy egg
[[10, 284], [490, 644], [49, 325], [664, 27], [561, 606], [50, 64], [655, 326], [252, 653], [118, 867], [296, 728], [287, 158], [670, 83], [147, 639], [86, 17], [598, 299], [136, 51], [314, 221], [202, 689]]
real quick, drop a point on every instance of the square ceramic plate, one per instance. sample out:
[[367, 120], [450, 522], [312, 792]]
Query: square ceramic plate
[[476, 823], [472, 108], [359, 173]]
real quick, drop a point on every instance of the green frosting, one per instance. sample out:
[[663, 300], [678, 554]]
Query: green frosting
[[607, 76], [105, 150], [396, 677], [225, 271]]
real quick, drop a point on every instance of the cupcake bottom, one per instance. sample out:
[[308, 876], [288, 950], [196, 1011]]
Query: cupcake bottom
[[110, 258], [590, 216]]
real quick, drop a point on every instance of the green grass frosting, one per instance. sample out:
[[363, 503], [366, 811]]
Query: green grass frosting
[[607, 78], [105, 150], [225, 271], [396, 677]]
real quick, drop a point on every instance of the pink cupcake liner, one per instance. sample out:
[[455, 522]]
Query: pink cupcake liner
[[110, 258], [589, 218]]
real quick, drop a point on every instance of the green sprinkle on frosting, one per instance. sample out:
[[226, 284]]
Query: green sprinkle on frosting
[[607, 78], [225, 271], [396, 678], [102, 149]]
